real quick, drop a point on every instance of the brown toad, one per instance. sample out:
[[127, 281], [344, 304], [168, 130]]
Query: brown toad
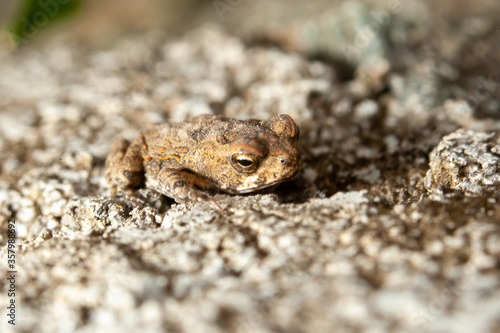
[[185, 160]]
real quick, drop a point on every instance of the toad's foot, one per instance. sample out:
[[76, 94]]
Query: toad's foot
[[118, 194]]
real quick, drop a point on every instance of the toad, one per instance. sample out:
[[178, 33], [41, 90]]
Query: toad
[[188, 160]]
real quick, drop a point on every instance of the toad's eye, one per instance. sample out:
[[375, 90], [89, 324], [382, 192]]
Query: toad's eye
[[244, 162]]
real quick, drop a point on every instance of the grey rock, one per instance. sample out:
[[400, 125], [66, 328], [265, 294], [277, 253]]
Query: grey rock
[[466, 161]]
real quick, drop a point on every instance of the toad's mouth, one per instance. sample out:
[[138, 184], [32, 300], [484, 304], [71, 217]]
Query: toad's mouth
[[258, 187]]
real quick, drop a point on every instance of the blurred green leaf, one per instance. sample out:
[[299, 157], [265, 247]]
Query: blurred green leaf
[[35, 15]]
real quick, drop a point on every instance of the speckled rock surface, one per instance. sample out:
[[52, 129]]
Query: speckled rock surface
[[467, 161], [392, 226]]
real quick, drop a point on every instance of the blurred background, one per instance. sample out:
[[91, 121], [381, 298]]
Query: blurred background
[[101, 22], [346, 35]]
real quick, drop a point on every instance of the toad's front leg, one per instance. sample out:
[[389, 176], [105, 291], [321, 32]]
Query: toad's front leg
[[186, 186]]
